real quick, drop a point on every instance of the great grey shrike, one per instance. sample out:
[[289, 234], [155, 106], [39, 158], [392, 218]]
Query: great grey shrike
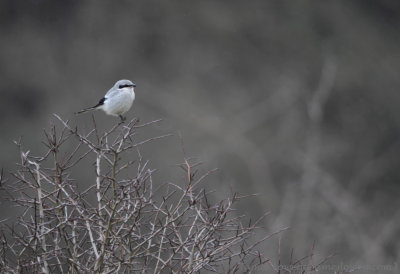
[[117, 100]]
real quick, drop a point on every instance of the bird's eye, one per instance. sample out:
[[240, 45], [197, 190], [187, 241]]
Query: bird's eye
[[121, 86]]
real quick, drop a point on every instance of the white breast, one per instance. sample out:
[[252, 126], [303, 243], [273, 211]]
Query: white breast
[[120, 102]]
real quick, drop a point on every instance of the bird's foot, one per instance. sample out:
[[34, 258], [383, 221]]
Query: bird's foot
[[122, 119]]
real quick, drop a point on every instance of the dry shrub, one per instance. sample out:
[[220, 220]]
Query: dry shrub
[[120, 223]]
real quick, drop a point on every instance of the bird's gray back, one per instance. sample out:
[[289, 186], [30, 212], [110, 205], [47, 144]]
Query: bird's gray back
[[112, 92]]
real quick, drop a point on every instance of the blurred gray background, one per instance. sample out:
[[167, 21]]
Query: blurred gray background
[[297, 101]]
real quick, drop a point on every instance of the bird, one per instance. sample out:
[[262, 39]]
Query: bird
[[117, 101]]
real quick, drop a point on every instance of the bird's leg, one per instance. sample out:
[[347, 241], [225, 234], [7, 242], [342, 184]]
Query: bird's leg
[[122, 118]]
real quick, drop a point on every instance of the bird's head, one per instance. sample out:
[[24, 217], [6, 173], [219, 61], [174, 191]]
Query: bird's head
[[121, 84]]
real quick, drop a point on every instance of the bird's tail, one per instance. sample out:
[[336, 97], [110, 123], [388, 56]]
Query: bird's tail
[[85, 110], [99, 104]]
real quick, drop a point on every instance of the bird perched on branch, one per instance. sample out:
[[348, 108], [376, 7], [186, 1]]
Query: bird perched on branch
[[117, 100]]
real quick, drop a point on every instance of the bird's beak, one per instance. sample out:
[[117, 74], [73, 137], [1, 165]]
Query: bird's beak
[[134, 85]]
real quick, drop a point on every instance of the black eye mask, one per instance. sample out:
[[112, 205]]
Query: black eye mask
[[125, 86]]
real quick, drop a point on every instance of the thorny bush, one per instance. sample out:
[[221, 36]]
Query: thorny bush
[[118, 224]]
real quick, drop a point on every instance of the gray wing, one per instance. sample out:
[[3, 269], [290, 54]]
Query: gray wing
[[112, 92]]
